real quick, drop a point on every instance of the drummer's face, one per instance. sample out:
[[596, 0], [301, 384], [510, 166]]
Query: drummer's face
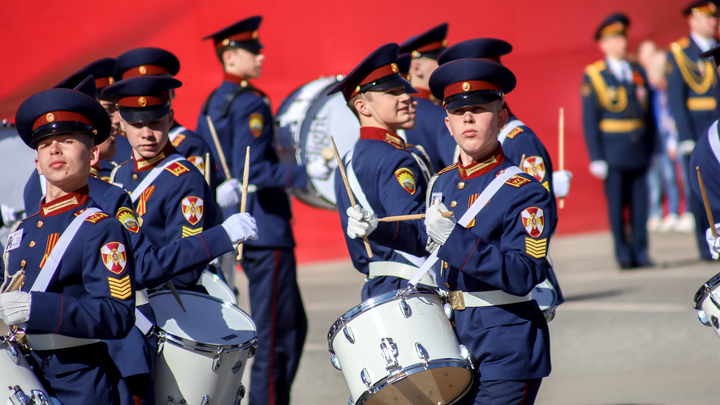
[[148, 138], [392, 106], [244, 63]]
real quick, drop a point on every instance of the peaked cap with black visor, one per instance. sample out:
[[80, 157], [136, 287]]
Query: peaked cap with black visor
[[377, 72], [429, 44], [476, 48], [242, 34], [147, 61], [60, 111], [103, 71], [466, 82], [144, 98]]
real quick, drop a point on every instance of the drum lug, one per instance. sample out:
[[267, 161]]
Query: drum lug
[[447, 308], [365, 376], [389, 352], [465, 353], [12, 351], [205, 400], [405, 308], [160, 344], [19, 397], [351, 401], [335, 362], [240, 394], [349, 334], [703, 318], [40, 397], [217, 359], [422, 353]]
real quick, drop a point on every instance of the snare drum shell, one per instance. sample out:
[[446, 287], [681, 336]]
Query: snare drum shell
[[427, 325], [20, 374]]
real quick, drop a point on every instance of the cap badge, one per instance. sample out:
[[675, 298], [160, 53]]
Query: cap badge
[[415, 54], [357, 89], [225, 42], [444, 42], [50, 117], [142, 70], [466, 86], [394, 67], [254, 35], [142, 101], [111, 80]]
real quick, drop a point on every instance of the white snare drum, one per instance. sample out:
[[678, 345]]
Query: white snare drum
[[217, 288], [399, 348], [707, 303], [547, 299], [305, 121], [201, 353], [18, 384]]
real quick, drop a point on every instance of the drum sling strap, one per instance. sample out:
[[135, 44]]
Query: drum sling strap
[[175, 132], [363, 201], [229, 98], [54, 341], [508, 128], [154, 173], [469, 215]]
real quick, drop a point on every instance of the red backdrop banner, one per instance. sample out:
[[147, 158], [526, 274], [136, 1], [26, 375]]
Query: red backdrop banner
[[553, 40]]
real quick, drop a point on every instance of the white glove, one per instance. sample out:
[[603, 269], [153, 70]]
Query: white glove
[[9, 214], [361, 222], [229, 193], [438, 227], [15, 307], [561, 182], [319, 169], [686, 147], [240, 227], [598, 168], [713, 242]]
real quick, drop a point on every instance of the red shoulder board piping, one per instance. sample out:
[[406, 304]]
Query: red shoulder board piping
[[514, 132], [178, 140], [177, 169], [95, 218], [517, 181]]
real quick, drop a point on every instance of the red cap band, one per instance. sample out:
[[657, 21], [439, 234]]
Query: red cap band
[[61, 116], [382, 71], [145, 70], [143, 101], [469, 85]]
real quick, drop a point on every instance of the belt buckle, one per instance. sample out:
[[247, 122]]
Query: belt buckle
[[456, 300]]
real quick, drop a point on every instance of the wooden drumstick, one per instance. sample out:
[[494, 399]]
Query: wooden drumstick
[[522, 160], [561, 149], [219, 149], [243, 199], [708, 211], [412, 217], [341, 166]]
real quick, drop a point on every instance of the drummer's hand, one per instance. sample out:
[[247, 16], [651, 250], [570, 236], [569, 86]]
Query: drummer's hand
[[319, 169], [438, 227], [15, 307], [713, 242], [240, 227], [361, 222], [561, 183], [229, 193]]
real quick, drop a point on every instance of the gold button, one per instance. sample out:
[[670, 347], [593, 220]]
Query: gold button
[[461, 185], [134, 176], [32, 243], [447, 285], [445, 265], [22, 263], [39, 224], [453, 204]]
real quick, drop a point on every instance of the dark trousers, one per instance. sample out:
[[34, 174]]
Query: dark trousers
[[277, 309], [627, 189], [502, 392]]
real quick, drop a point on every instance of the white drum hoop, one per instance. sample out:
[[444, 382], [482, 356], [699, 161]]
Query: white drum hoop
[[706, 292]]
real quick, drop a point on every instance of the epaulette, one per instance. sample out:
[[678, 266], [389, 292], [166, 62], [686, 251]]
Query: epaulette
[[447, 169], [517, 181], [515, 132], [97, 217], [178, 140], [598, 66], [683, 43], [177, 168]]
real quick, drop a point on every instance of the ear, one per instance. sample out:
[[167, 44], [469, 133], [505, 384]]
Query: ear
[[123, 124], [171, 118], [362, 107], [37, 166], [94, 155], [227, 57], [447, 124], [416, 68], [503, 118]]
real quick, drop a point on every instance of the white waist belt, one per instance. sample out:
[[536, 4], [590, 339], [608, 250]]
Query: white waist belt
[[51, 341], [400, 270], [141, 297], [460, 300]]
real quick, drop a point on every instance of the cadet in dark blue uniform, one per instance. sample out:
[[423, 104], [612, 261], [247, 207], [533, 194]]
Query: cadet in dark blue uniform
[[692, 85], [242, 117], [706, 157], [429, 132], [156, 61], [618, 127], [385, 177], [77, 260], [491, 263]]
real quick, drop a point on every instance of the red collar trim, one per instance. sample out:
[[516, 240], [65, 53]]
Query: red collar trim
[[142, 164], [229, 77], [65, 203], [380, 134], [484, 165]]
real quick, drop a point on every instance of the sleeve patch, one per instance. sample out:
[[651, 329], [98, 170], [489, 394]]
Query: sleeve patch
[[126, 216], [114, 257], [534, 166], [178, 140], [533, 220], [192, 209], [406, 178], [120, 288], [95, 218], [536, 248], [187, 231], [256, 124], [198, 162], [514, 132], [517, 181], [177, 169]]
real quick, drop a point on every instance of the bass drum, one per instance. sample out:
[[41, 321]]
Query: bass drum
[[304, 123]]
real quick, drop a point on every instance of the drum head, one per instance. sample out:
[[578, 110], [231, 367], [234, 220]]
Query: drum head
[[208, 320], [305, 122]]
